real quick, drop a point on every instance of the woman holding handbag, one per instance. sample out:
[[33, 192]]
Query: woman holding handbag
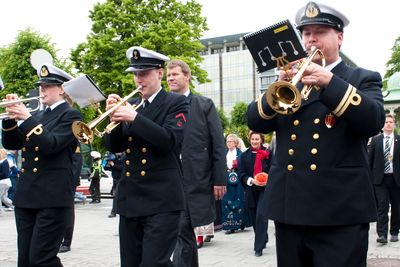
[[233, 210]]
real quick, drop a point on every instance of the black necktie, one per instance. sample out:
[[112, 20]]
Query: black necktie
[[146, 104]]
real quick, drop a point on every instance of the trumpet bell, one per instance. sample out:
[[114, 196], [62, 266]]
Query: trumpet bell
[[283, 97], [82, 132]]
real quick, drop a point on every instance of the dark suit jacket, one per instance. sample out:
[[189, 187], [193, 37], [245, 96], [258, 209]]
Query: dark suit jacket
[[376, 162], [320, 175], [203, 159], [152, 179], [245, 170], [48, 145]]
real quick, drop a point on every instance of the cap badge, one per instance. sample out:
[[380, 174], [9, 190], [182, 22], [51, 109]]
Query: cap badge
[[312, 10], [44, 72], [136, 54]]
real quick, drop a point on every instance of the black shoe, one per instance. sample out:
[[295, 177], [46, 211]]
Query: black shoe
[[394, 238], [229, 232], [258, 253], [64, 249], [112, 215], [208, 238], [382, 240]]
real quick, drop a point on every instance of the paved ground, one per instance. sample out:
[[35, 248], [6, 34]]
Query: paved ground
[[95, 244]]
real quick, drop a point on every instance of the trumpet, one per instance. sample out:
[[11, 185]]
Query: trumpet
[[283, 96], [6, 115], [85, 132]]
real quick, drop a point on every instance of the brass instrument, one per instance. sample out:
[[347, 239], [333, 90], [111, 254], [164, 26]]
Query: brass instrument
[[6, 115], [85, 132], [283, 96]]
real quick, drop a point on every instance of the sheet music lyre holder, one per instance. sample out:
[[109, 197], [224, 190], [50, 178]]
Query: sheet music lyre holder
[[275, 46]]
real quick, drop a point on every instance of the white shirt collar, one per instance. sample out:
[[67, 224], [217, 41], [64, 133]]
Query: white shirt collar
[[52, 107], [334, 64], [151, 98]]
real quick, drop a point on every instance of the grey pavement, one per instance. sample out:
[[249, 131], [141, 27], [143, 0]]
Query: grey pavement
[[95, 244]]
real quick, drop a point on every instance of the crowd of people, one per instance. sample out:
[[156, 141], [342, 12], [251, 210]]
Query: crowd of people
[[316, 180]]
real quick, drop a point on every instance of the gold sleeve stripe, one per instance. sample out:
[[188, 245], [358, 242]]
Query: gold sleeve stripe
[[350, 97], [260, 109], [9, 129]]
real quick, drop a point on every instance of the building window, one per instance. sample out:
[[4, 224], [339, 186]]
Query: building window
[[217, 50], [233, 48]]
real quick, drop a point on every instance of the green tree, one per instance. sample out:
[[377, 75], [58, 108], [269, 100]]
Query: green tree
[[238, 114], [166, 26], [393, 65], [223, 118], [15, 69]]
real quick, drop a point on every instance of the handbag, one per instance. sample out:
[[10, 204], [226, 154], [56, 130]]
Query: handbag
[[233, 178], [6, 181]]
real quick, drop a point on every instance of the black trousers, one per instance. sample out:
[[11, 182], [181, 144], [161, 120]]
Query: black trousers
[[40, 232], [69, 229], [387, 193], [327, 246], [94, 188], [185, 253], [148, 241], [260, 223]]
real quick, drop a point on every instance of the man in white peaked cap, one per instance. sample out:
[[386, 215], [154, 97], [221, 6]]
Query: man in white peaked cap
[[150, 194], [320, 194]]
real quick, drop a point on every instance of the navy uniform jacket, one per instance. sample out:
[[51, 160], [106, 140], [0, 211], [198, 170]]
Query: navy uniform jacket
[[203, 159], [151, 182], [320, 175], [47, 145], [376, 161]]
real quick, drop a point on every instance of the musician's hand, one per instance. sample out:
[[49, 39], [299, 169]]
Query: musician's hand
[[124, 113], [316, 75], [292, 69], [219, 191], [112, 100], [18, 112]]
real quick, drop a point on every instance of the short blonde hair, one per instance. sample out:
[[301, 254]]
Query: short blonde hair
[[234, 137], [3, 153]]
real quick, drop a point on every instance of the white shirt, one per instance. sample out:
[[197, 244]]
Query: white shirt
[[230, 157]]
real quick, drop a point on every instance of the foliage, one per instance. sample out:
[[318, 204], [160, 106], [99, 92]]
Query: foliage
[[166, 26], [393, 64], [224, 120], [238, 114], [17, 73]]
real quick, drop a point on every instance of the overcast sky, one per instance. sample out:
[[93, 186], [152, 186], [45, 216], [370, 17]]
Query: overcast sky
[[373, 28]]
